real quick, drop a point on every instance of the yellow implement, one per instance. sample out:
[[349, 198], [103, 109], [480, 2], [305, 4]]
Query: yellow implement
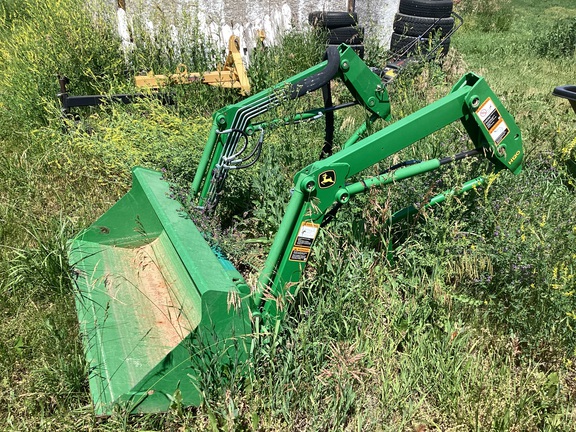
[[231, 75]]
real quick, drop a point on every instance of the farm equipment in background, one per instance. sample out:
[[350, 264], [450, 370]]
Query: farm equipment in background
[[68, 101], [416, 39], [231, 75], [421, 32], [339, 28], [567, 92], [159, 307]]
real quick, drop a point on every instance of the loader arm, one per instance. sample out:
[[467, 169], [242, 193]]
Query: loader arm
[[160, 308], [227, 147], [317, 187]]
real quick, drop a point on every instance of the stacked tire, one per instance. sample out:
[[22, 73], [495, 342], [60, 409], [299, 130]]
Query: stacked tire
[[339, 27], [420, 26]]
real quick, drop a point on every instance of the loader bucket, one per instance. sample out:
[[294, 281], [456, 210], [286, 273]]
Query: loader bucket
[[157, 306]]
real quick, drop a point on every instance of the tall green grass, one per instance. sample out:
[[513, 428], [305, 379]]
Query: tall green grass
[[466, 325], [44, 39]]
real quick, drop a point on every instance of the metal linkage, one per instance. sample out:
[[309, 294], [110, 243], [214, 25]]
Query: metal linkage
[[67, 101], [230, 150], [239, 125]]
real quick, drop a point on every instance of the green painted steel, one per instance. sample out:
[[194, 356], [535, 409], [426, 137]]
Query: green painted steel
[[490, 127], [437, 199], [363, 84], [347, 191], [154, 301], [160, 309]]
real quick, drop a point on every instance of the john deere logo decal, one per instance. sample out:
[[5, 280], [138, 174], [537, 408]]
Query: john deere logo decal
[[327, 179]]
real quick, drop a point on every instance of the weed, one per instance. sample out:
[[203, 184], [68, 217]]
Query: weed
[[40, 42], [469, 327], [557, 40], [296, 52], [528, 288], [167, 36], [114, 140], [41, 269], [490, 15]]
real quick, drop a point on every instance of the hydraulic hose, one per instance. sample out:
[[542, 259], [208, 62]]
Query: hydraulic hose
[[320, 79]]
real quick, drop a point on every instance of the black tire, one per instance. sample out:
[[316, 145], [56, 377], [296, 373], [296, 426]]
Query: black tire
[[426, 8], [347, 35], [405, 46], [332, 20], [422, 26]]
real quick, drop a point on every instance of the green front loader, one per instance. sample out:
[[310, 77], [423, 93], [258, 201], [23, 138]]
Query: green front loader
[[159, 307]]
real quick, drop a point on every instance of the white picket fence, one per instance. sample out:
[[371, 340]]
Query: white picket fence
[[219, 19]]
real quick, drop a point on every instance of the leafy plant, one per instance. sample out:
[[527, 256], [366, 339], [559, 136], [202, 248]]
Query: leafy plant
[[296, 52], [41, 268], [489, 15], [39, 42], [557, 40]]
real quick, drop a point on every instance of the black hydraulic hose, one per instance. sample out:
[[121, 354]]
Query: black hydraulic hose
[[338, 107], [401, 165], [329, 118], [320, 79], [459, 156], [329, 217], [242, 133], [254, 155]]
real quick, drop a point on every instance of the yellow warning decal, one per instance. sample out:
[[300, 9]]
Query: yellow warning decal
[[303, 243], [493, 121], [299, 254]]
